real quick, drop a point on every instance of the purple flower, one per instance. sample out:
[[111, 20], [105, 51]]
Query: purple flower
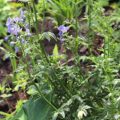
[[9, 22], [6, 38], [22, 15], [27, 26], [16, 49], [14, 29], [16, 19], [22, 41], [28, 32], [63, 28], [16, 26]]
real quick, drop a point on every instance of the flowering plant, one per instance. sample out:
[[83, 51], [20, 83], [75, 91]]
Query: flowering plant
[[82, 85]]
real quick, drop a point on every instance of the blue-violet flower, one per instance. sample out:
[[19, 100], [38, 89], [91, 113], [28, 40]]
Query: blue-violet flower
[[62, 29]]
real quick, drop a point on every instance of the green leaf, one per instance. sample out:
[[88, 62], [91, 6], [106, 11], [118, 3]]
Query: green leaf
[[56, 56], [47, 35], [33, 109], [55, 51], [37, 109]]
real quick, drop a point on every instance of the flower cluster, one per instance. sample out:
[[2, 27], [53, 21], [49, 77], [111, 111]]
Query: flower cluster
[[13, 28], [13, 25], [16, 27], [62, 29]]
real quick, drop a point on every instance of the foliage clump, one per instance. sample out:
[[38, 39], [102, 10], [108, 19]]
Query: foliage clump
[[70, 71]]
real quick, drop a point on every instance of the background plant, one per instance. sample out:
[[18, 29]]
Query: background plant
[[74, 82]]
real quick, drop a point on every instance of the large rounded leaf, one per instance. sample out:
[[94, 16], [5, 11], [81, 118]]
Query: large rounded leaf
[[34, 109], [37, 109]]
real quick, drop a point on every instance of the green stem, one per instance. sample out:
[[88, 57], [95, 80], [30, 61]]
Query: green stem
[[77, 29], [37, 30], [45, 98], [89, 10], [43, 51], [36, 20], [43, 16], [25, 60]]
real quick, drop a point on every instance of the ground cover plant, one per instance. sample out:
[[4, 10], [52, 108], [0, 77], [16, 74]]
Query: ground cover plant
[[64, 60]]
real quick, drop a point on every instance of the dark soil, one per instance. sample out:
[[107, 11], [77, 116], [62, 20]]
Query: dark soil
[[5, 69]]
